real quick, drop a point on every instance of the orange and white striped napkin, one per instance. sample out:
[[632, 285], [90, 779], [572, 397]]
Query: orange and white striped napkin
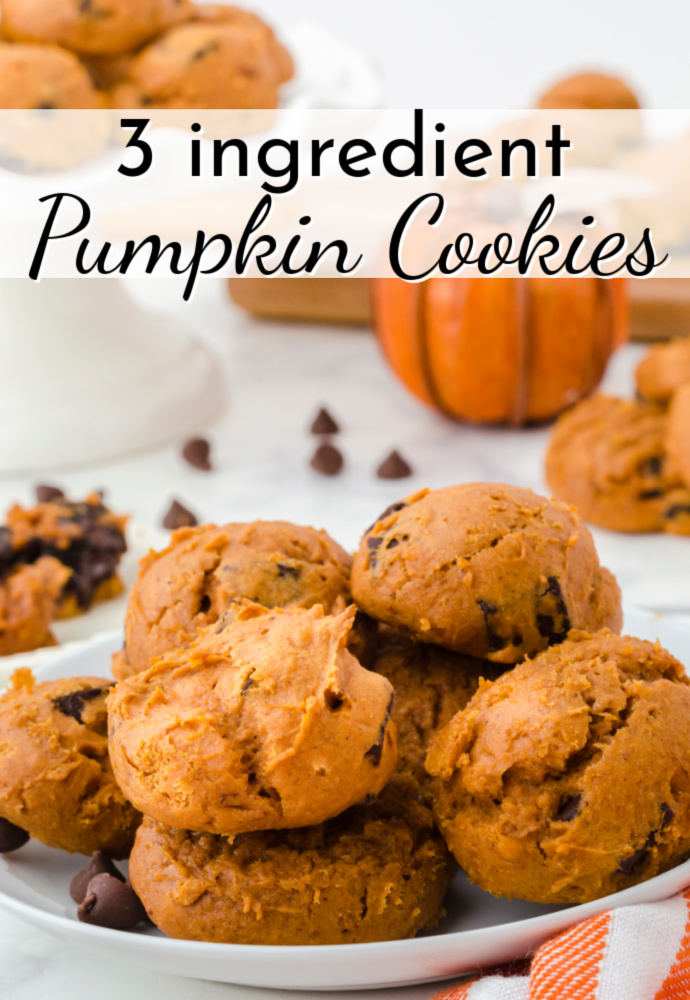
[[637, 952]]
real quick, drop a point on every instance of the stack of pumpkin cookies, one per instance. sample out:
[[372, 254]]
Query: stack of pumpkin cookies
[[314, 741], [624, 463], [60, 54]]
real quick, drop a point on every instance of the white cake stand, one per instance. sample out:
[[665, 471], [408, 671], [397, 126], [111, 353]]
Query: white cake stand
[[86, 374]]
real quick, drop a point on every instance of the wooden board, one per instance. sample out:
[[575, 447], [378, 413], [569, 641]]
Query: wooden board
[[659, 307]]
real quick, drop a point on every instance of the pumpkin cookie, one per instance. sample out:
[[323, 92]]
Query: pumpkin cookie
[[608, 457], [42, 77], [678, 440], [86, 537], [567, 778], [484, 569], [195, 580], [201, 65], [29, 598], [213, 13], [593, 91], [378, 872], [90, 26], [266, 723], [56, 781], [431, 684], [663, 370]]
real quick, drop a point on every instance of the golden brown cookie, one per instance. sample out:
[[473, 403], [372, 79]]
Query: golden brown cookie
[[87, 537], [678, 444], [266, 723], [29, 598], [44, 77], [488, 570], [56, 781], [430, 684], [201, 65], [568, 778], [378, 872], [90, 26], [608, 457], [194, 581], [663, 370], [214, 13], [594, 91]]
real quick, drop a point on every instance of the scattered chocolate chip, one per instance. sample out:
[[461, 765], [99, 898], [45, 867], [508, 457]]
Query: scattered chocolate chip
[[327, 460], [100, 864], [394, 467], [197, 452], [204, 605], [72, 704], [285, 570], [393, 544], [569, 809], [375, 752], [179, 517], [205, 51], [46, 493], [552, 618], [324, 423], [650, 494], [11, 837], [375, 542], [111, 903], [6, 549]]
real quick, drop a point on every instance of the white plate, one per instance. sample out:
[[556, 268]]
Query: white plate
[[103, 618], [479, 931]]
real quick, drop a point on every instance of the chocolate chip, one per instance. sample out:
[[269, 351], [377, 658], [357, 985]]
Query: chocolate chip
[[197, 452], [552, 618], [633, 860], [676, 510], [394, 507], [204, 605], [72, 704], [11, 837], [569, 809], [650, 494], [111, 903], [667, 815], [494, 640], [627, 864], [284, 570], [6, 549], [394, 467], [651, 466], [179, 517], [100, 864], [46, 493], [249, 683], [327, 460], [375, 542], [393, 543], [205, 51], [324, 423], [375, 752]]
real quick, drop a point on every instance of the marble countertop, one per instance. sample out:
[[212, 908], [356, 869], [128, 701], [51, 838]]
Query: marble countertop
[[277, 376]]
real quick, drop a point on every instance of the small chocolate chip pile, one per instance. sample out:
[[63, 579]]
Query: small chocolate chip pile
[[197, 452], [394, 467], [179, 517], [104, 897], [11, 837]]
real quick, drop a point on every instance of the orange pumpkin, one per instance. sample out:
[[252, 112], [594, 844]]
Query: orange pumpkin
[[500, 350]]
